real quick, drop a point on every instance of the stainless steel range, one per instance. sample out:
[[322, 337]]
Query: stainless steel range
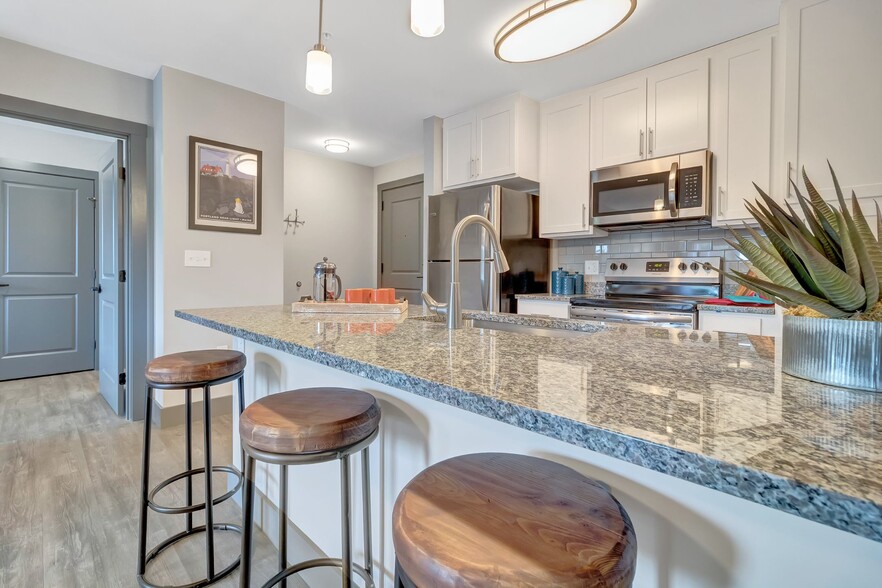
[[661, 292]]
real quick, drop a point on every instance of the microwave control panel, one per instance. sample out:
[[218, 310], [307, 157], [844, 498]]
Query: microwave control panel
[[689, 188]]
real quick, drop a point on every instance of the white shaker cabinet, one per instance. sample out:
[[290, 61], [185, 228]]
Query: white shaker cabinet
[[493, 143], [660, 111], [547, 308], [833, 93], [618, 122], [741, 134], [564, 167], [677, 107]]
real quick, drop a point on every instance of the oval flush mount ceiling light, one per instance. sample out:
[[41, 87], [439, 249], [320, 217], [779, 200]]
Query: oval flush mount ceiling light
[[337, 145], [427, 17], [246, 164], [553, 27]]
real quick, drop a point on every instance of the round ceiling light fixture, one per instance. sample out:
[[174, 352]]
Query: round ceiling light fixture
[[427, 17], [246, 164], [337, 145], [554, 27]]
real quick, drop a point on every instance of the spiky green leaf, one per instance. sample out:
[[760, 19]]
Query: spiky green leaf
[[878, 223], [763, 242], [793, 297], [825, 212], [771, 267], [852, 265], [862, 233], [838, 287], [828, 247]]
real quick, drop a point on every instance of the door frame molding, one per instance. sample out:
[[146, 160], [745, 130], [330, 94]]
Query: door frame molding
[[409, 181], [137, 226]]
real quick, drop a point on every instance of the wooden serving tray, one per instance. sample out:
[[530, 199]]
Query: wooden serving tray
[[341, 307]]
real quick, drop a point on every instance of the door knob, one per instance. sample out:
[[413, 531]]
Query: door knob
[[97, 289]]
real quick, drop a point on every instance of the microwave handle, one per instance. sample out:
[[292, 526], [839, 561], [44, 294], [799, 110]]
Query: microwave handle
[[672, 190]]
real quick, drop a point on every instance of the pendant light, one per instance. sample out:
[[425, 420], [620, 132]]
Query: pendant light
[[319, 63], [427, 17], [553, 27]]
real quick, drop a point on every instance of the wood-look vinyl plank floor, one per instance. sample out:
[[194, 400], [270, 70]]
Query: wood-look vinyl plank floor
[[70, 475]]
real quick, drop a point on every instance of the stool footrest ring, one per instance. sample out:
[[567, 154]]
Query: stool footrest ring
[[182, 535], [321, 562], [174, 510]]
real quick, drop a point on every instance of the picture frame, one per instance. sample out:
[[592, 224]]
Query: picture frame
[[225, 187]]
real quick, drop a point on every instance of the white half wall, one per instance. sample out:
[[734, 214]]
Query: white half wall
[[245, 269], [40, 75], [335, 199]]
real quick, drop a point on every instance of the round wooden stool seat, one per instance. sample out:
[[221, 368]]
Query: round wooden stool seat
[[194, 366], [498, 519], [311, 420]]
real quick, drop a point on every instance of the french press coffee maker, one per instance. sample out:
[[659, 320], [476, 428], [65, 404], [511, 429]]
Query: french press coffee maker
[[326, 284]]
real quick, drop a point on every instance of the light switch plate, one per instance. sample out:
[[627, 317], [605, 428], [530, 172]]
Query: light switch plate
[[592, 267], [195, 258]]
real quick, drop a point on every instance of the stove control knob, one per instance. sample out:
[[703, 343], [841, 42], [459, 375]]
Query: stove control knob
[[623, 267], [707, 266], [694, 266], [613, 266], [682, 266]]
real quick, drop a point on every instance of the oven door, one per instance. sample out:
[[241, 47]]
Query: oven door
[[676, 320]]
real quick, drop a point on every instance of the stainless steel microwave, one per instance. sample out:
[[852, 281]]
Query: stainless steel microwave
[[669, 191]]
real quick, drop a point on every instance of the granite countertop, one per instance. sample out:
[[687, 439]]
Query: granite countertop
[[553, 297], [741, 309], [710, 408]]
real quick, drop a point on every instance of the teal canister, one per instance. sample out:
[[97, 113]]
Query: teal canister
[[557, 280], [580, 283], [569, 286]]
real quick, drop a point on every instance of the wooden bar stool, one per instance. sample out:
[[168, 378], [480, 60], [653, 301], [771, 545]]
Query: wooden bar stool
[[498, 519], [306, 426], [189, 370]]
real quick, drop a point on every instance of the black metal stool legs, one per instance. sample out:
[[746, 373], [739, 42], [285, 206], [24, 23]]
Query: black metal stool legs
[[283, 521], [145, 486], [188, 397], [247, 512], [346, 521], [366, 509], [209, 507]]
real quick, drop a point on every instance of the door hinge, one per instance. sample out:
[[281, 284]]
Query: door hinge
[[122, 275], [94, 344], [122, 379], [382, 206], [382, 267], [122, 173]]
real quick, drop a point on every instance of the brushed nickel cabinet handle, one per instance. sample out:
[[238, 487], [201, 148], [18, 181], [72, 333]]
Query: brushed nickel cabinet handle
[[641, 142], [650, 142]]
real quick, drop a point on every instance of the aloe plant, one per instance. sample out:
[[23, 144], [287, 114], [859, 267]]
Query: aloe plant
[[828, 261]]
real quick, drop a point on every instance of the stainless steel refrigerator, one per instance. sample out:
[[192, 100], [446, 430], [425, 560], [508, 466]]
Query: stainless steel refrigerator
[[516, 217]]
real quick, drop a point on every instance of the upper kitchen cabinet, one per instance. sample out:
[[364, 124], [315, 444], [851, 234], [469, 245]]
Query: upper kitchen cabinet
[[833, 93], [564, 167], [741, 133], [494, 143], [660, 111]]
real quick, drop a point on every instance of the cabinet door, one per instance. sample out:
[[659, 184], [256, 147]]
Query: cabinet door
[[741, 136], [458, 149], [496, 139], [677, 114], [833, 93], [730, 322], [618, 123], [564, 172]]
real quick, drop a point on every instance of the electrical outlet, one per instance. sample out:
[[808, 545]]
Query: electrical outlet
[[194, 258], [592, 267]]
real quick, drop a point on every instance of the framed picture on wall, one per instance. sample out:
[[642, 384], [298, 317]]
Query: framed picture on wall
[[225, 183]]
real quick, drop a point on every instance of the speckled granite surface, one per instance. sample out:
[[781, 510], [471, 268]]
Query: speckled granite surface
[[709, 408], [741, 309], [552, 297]]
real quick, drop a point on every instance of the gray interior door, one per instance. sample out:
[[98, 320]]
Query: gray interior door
[[111, 293], [401, 227], [47, 264]]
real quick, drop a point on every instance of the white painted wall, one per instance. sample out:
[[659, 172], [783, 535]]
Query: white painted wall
[[246, 269], [35, 74], [335, 199], [36, 143]]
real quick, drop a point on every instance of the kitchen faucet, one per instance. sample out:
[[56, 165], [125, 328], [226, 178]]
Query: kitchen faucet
[[453, 308]]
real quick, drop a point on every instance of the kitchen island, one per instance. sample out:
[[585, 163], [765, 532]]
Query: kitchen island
[[733, 473]]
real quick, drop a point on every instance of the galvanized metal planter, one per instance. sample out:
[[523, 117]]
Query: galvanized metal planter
[[840, 353]]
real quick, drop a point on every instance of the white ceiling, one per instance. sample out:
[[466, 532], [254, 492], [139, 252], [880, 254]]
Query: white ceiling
[[386, 79]]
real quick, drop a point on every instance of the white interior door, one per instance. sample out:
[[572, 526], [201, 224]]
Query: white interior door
[[111, 293], [47, 261]]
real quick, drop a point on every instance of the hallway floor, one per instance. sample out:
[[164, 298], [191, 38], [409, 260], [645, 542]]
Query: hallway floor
[[69, 483]]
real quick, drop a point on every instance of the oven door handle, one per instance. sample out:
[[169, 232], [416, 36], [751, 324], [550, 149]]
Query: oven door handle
[[672, 190], [609, 314]]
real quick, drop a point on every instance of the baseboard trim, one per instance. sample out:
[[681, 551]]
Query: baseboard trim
[[172, 416]]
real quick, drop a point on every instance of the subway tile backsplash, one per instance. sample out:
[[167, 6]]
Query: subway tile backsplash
[[674, 242]]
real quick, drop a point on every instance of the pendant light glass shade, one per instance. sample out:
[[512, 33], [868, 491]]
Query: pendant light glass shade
[[319, 71], [427, 17], [553, 27]]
